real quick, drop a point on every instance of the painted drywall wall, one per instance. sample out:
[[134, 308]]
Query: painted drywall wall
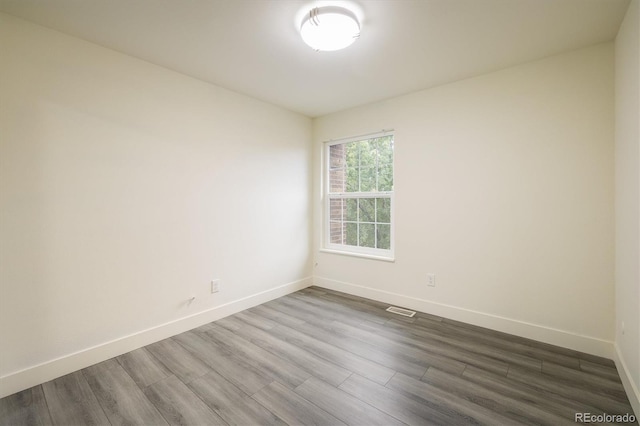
[[504, 190], [125, 188], [627, 199]]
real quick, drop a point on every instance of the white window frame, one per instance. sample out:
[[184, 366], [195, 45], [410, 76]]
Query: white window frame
[[327, 196]]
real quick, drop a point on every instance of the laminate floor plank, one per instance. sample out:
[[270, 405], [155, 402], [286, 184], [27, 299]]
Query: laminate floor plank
[[430, 352], [234, 323], [255, 320], [401, 407], [388, 357], [607, 372], [448, 402], [430, 336], [596, 397], [293, 311], [72, 402], [230, 323], [121, 399], [376, 308], [308, 361], [179, 405], [532, 343], [344, 406], [350, 309], [433, 352], [334, 308], [345, 298], [337, 309], [369, 308], [292, 408], [314, 290], [497, 341], [585, 380], [595, 359], [319, 356], [266, 362], [277, 316], [343, 358], [236, 370], [27, 407], [233, 405], [178, 360], [550, 402], [333, 354], [143, 367], [494, 401], [328, 311]]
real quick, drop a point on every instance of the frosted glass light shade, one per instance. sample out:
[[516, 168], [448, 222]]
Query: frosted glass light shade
[[329, 28]]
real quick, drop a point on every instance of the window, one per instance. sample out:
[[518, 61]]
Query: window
[[359, 195]]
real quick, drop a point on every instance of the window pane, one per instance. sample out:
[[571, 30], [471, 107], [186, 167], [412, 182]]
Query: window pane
[[352, 234], [351, 155], [383, 210], [367, 179], [337, 158], [368, 154], [366, 210], [352, 184], [336, 232], [336, 209], [385, 178], [337, 180], [352, 209], [367, 235], [384, 236], [385, 150]]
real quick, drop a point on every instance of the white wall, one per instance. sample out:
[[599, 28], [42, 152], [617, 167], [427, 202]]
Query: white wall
[[504, 190], [627, 201], [124, 189]]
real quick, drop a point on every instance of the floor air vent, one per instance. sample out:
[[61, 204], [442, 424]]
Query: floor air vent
[[400, 311]]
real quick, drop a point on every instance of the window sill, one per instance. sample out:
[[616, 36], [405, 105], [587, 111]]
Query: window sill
[[362, 255]]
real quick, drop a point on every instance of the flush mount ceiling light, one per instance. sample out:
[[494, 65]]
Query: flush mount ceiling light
[[329, 28]]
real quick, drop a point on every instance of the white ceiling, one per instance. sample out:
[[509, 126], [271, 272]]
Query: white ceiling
[[253, 46]]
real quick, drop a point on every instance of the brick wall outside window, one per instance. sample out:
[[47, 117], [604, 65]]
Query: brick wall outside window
[[338, 182]]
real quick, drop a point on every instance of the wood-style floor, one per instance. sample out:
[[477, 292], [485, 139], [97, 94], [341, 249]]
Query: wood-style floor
[[326, 358]]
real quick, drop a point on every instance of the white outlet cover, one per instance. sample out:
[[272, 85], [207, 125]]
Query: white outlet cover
[[431, 280]]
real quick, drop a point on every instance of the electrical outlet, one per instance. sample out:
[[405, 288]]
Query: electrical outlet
[[215, 286], [431, 280]]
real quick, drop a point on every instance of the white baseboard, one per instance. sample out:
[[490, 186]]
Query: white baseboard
[[37, 374], [627, 381], [537, 332]]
